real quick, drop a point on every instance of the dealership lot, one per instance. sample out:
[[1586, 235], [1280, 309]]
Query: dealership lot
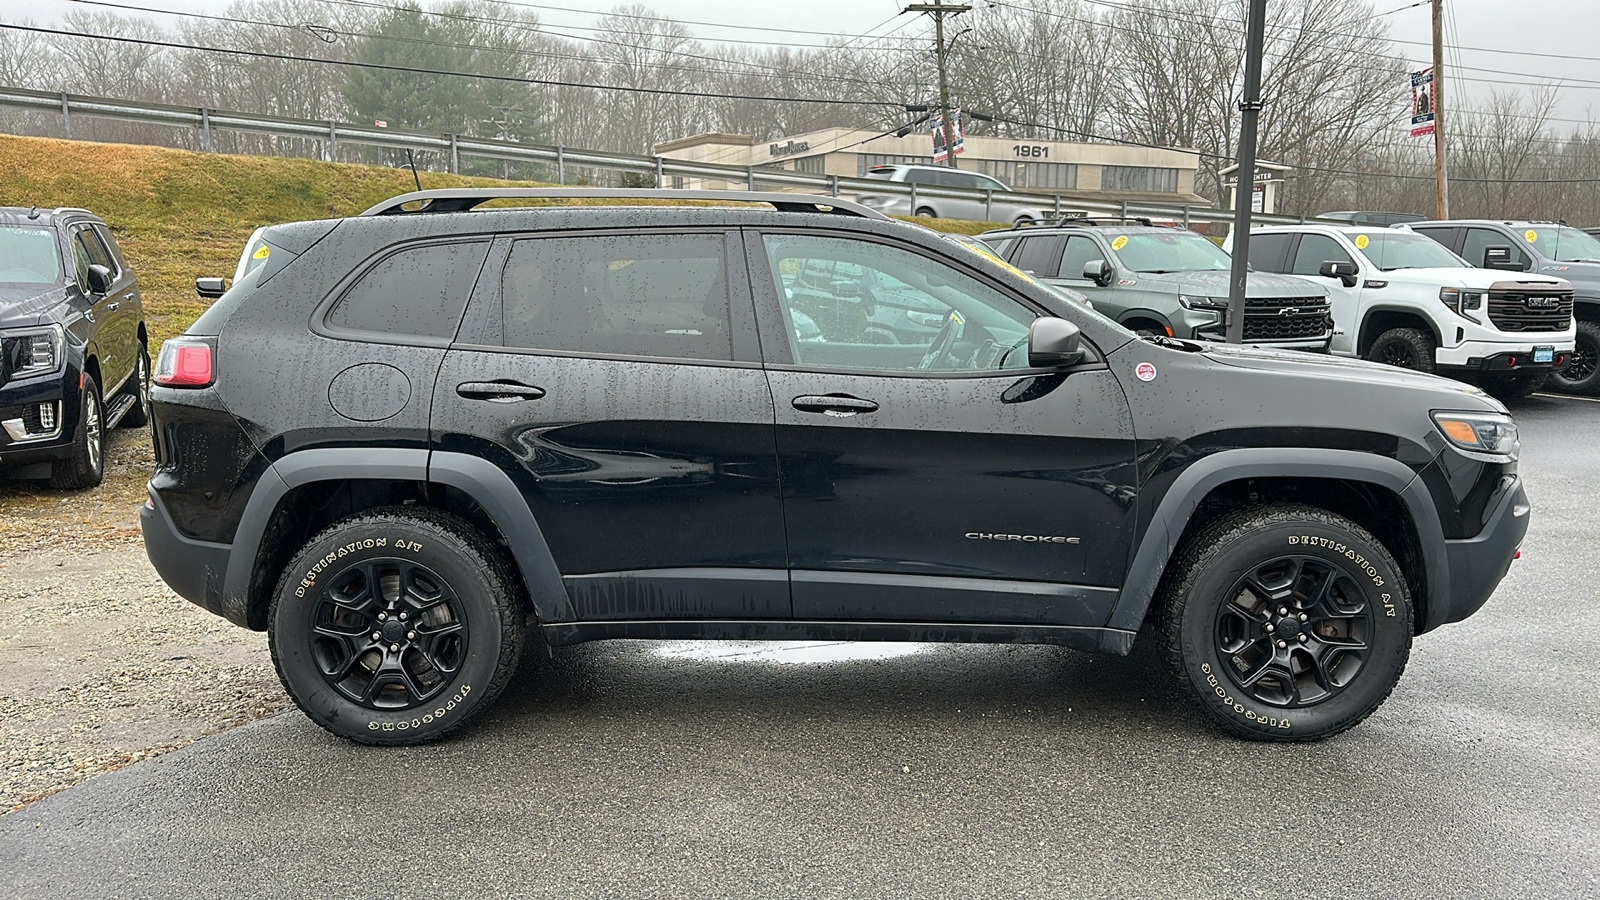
[[663, 769]]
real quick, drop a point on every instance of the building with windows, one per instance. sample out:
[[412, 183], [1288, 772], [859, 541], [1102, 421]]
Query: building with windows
[[1104, 172]]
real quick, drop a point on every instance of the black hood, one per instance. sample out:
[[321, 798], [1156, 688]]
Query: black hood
[[21, 305]]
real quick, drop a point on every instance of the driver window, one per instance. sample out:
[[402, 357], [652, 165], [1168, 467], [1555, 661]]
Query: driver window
[[851, 304]]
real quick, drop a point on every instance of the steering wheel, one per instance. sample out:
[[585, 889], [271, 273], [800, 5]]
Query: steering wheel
[[948, 334]]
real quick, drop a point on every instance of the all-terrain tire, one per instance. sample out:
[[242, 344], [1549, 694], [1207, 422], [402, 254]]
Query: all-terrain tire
[[1582, 374], [85, 465], [1228, 583], [138, 387], [399, 625], [1513, 387], [1406, 348]]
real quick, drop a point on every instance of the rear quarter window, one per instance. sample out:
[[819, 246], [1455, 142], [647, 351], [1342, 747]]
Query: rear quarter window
[[419, 291]]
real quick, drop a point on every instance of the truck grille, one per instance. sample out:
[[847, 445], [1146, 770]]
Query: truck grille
[[1527, 307], [1285, 318]]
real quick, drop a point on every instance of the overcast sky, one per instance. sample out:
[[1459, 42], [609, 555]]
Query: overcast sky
[[1561, 27]]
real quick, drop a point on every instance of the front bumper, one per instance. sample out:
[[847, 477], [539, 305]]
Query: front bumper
[[37, 420], [193, 569], [1477, 564], [1492, 357]]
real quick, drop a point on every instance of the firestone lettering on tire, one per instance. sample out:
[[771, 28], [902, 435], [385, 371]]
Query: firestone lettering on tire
[[1237, 707], [428, 719]]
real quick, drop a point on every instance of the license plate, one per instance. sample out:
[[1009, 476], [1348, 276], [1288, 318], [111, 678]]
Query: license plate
[[1544, 354]]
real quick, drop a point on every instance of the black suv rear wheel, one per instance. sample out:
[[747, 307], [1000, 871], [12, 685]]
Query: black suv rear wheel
[[1287, 623], [397, 626]]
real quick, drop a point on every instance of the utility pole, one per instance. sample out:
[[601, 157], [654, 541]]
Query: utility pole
[[937, 10], [1441, 173], [1245, 175]]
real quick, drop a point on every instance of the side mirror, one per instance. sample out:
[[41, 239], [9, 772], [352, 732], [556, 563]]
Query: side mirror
[[210, 288], [1344, 271], [1499, 257], [1099, 271], [1054, 343], [99, 280]]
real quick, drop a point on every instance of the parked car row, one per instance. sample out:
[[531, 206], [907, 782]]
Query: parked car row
[[1514, 306]]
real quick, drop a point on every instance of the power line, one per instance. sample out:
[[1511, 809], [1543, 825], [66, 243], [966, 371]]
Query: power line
[[548, 82]]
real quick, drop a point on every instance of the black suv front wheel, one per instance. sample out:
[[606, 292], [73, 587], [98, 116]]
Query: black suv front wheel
[[1288, 623], [396, 626], [84, 466]]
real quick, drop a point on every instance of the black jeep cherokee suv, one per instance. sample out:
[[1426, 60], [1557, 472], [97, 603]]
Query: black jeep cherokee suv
[[400, 439], [73, 358]]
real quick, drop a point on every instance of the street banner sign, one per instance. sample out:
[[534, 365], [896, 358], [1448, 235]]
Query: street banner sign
[[1422, 102], [960, 139]]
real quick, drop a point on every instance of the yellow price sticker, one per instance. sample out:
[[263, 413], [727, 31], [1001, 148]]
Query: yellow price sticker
[[263, 253], [1531, 235], [1362, 241], [1119, 242]]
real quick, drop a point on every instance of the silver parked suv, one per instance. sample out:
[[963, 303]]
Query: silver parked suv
[[978, 209]]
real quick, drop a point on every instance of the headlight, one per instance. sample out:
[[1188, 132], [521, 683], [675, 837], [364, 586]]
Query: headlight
[[1461, 300], [1188, 302], [33, 351], [1490, 433]]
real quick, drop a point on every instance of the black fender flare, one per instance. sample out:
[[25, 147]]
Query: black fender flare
[[1140, 312], [1366, 316], [1166, 527], [480, 479]]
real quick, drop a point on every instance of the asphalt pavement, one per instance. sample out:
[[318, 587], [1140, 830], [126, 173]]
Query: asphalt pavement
[[640, 769]]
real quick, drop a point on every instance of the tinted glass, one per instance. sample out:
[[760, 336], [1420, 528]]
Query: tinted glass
[[1390, 250], [1268, 251], [96, 250], [419, 291], [628, 295], [1479, 240], [1170, 251], [29, 256], [1041, 255], [111, 245], [887, 309], [1315, 249], [1080, 250]]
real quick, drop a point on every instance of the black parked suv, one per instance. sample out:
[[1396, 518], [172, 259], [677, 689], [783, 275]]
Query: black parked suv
[[73, 346], [401, 439]]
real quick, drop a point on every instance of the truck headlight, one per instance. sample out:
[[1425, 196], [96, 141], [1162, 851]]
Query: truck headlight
[[1188, 302], [28, 352], [1460, 301], [1490, 433]]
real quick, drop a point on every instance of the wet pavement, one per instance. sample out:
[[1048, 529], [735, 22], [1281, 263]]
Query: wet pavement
[[676, 769]]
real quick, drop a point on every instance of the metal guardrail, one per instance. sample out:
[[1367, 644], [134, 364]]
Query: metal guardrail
[[454, 147]]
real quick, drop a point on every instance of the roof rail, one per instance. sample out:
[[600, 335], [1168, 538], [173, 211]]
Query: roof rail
[[1107, 220], [463, 199]]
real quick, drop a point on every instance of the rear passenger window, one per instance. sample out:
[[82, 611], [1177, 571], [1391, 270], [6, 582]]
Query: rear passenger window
[[634, 295], [1041, 255], [417, 291], [1269, 251]]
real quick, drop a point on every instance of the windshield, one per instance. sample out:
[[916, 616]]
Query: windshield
[[29, 256], [1174, 251], [1390, 250], [1563, 244]]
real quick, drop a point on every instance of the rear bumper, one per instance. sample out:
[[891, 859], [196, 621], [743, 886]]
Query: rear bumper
[[193, 569], [1478, 564]]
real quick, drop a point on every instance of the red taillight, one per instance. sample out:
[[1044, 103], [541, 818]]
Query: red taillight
[[184, 364]]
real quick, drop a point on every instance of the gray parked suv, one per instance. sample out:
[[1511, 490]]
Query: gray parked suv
[[1170, 281], [1548, 249], [917, 202]]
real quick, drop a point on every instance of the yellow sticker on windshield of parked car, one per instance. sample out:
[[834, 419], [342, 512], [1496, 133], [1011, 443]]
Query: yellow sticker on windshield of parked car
[[1362, 241], [1531, 235], [1118, 242], [263, 253]]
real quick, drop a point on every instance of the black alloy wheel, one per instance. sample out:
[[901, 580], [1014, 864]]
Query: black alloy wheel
[[399, 625], [1294, 632], [1582, 373], [1404, 348], [1284, 622]]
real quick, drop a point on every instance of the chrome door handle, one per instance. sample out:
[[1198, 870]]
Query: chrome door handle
[[499, 391], [834, 404]]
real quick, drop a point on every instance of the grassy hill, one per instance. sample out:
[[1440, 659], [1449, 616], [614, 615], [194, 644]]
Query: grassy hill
[[180, 214]]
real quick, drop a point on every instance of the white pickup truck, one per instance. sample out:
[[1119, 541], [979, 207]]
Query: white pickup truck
[[1403, 299]]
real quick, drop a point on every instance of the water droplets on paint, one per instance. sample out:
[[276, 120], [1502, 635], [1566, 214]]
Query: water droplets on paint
[[787, 652]]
